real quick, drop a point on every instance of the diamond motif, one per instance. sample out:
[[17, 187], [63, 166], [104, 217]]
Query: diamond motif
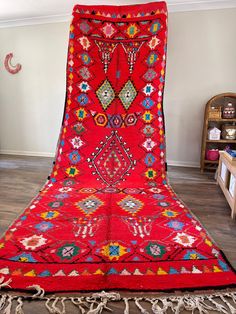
[[130, 204], [89, 205], [149, 144], [149, 75], [105, 94], [112, 162], [127, 94], [108, 30]]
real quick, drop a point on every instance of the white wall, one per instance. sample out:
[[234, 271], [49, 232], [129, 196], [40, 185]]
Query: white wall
[[31, 101], [201, 63]]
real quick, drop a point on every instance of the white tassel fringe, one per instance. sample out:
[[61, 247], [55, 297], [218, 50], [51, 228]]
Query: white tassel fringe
[[220, 301]]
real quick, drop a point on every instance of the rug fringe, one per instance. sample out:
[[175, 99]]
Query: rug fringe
[[221, 302]]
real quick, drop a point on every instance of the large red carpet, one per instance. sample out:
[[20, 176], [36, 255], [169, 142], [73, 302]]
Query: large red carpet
[[107, 218]]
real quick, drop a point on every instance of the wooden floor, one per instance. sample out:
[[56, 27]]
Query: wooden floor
[[21, 178]]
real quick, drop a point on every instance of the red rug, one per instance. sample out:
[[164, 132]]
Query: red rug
[[107, 218]]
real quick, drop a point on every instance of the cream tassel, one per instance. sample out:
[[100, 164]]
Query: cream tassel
[[19, 307], [143, 311]]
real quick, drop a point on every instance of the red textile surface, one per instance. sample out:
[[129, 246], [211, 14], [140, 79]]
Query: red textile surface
[[107, 219]]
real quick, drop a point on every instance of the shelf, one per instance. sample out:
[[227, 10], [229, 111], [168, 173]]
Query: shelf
[[211, 161], [222, 120], [221, 141]]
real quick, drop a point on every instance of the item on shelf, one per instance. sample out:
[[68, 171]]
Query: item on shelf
[[228, 111], [214, 112], [232, 153], [214, 134], [229, 132], [212, 154]]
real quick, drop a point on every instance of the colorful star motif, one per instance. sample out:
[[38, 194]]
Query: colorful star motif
[[74, 157], [72, 171], [33, 242], [170, 213], [84, 73], [85, 58], [68, 251], [84, 27], [76, 142], [83, 99], [148, 130], [155, 27], [108, 30], [152, 58], [149, 144], [56, 204], [151, 174], [149, 75], [85, 43], [153, 42], [147, 117], [84, 87], [44, 226], [130, 204], [81, 114], [78, 127], [113, 250], [132, 30], [155, 250], [105, 94], [127, 94], [51, 214], [176, 225], [184, 239], [148, 103], [148, 89], [149, 160], [89, 205]]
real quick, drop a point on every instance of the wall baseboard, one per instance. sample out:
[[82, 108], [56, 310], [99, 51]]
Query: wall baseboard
[[189, 164], [26, 153], [177, 163]]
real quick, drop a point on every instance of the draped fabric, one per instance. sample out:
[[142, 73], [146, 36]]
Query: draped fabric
[[107, 218]]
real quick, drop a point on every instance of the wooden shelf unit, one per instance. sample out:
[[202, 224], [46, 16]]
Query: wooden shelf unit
[[224, 178], [218, 100]]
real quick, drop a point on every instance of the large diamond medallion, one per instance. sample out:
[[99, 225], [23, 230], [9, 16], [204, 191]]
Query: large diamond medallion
[[89, 205], [130, 204], [112, 161], [127, 94], [105, 94]]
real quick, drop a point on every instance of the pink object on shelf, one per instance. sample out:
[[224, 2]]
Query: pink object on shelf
[[212, 154]]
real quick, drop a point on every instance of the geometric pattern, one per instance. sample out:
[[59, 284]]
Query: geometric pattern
[[112, 161], [106, 211], [105, 94], [130, 204], [127, 94], [89, 205]]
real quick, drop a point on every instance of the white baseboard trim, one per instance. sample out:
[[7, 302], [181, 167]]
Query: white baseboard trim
[[46, 154], [26, 153], [190, 164]]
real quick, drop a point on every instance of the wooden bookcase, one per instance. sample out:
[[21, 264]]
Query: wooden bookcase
[[216, 101]]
